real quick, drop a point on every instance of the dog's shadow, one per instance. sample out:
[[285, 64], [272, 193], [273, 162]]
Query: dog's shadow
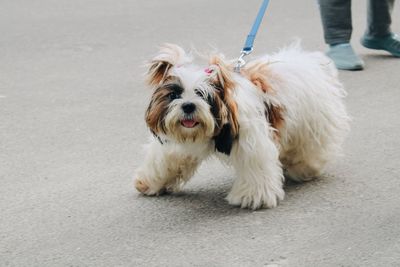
[[208, 201]]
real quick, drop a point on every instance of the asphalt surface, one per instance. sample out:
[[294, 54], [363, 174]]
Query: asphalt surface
[[72, 102]]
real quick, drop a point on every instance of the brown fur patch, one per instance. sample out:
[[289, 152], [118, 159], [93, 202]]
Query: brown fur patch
[[157, 72], [157, 110], [225, 83], [257, 72], [169, 55], [219, 111], [223, 77], [233, 114], [274, 115]]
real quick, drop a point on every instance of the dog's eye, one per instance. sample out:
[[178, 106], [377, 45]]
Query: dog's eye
[[173, 96], [199, 93]]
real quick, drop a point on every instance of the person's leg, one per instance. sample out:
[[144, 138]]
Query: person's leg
[[336, 21], [378, 34], [337, 26], [379, 18]]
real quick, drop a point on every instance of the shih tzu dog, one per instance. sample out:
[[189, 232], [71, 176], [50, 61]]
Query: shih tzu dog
[[283, 114]]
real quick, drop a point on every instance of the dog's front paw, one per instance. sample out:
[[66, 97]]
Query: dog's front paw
[[255, 200], [143, 187]]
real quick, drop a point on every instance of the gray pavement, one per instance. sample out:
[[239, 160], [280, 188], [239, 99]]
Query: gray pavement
[[72, 102]]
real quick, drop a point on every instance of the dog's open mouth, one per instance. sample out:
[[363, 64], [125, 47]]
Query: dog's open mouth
[[187, 123]]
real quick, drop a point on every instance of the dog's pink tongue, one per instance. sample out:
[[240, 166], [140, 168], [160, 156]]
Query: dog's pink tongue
[[189, 123]]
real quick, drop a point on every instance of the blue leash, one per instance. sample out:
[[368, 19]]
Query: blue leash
[[248, 45]]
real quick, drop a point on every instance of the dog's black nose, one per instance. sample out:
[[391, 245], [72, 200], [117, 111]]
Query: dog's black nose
[[188, 107]]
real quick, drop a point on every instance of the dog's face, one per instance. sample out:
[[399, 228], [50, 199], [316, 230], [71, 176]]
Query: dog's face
[[191, 104]]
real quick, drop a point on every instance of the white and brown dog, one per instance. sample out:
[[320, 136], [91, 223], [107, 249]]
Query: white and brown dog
[[283, 114]]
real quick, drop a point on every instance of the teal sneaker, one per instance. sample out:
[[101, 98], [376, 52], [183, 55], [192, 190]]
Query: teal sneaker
[[344, 57], [390, 43]]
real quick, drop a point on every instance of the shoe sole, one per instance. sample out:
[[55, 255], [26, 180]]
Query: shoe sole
[[350, 68]]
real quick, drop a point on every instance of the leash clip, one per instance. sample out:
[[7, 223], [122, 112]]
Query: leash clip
[[240, 62], [248, 45]]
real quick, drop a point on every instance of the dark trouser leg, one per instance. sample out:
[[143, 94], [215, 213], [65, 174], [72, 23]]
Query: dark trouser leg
[[336, 20], [379, 18]]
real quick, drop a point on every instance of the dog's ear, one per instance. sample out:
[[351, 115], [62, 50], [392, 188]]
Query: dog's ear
[[220, 73], [168, 56], [227, 112], [224, 140]]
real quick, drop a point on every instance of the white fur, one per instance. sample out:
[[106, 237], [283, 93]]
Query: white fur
[[316, 121], [255, 156], [314, 128]]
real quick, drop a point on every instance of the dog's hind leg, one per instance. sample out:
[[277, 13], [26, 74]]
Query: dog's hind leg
[[304, 171], [306, 158]]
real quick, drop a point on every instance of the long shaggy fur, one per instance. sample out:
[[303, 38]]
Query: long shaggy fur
[[283, 114]]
